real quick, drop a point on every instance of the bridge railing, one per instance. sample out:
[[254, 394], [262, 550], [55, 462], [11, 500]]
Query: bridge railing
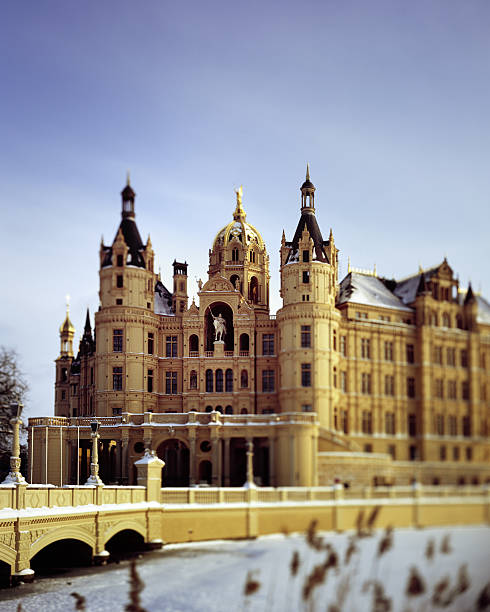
[[214, 495]]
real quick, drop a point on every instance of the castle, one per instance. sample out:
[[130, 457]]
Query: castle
[[366, 381]]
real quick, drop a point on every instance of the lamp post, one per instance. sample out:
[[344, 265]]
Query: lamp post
[[14, 476], [94, 478]]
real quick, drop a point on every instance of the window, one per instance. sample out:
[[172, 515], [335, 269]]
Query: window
[[150, 381], [120, 261], [446, 321], [451, 389], [306, 374], [343, 346], [388, 351], [305, 336], [117, 383], [229, 410], [343, 381], [63, 394], [171, 346], [268, 344], [268, 381], [117, 340], [367, 422], [219, 381], [438, 355], [410, 353], [466, 426], [439, 388], [464, 358], [451, 356], [456, 453], [368, 448], [412, 425], [193, 380], [244, 342], [439, 424], [442, 453], [234, 254], [64, 374], [453, 425], [384, 318], [150, 343], [389, 385], [119, 281], [412, 452], [252, 256], [344, 421], [392, 451], [410, 386], [171, 383], [365, 348], [193, 345], [465, 390], [334, 341], [306, 298], [306, 408], [229, 381], [469, 453], [366, 383], [361, 315], [306, 256], [390, 423], [209, 381], [244, 379], [306, 276]]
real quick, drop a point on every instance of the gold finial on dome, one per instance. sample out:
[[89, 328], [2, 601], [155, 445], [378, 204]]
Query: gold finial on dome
[[239, 212], [67, 325]]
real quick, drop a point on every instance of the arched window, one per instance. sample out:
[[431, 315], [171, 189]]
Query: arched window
[[219, 409], [244, 379], [244, 342], [193, 380], [229, 381], [459, 321], [219, 381], [254, 290], [209, 409], [229, 410], [209, 381], [243, 411], [194, 344], [434, 319], [446, 321]]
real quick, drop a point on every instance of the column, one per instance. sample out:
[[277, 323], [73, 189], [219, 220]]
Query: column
[[216, 474], [192, 456], [226, 443], [272, 464]]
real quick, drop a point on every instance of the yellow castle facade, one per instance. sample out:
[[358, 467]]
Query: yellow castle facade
[[363, 381]]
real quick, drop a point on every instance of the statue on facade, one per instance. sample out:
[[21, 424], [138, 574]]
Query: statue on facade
[[219, 327]]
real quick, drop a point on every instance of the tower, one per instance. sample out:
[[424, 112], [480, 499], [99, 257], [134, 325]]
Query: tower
[[63, 367], [180, 287], [239, 254], [308, 320]]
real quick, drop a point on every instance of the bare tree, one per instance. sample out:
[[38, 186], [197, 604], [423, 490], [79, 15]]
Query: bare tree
[[13, 388]]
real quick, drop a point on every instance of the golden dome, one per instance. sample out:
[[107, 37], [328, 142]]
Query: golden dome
[[238, 229], [67, 326]]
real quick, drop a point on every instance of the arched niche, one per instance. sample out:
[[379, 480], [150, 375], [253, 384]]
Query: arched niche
[[254, 290], [216, 309]]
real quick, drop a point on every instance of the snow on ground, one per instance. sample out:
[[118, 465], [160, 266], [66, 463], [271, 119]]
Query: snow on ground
[[211, 575]]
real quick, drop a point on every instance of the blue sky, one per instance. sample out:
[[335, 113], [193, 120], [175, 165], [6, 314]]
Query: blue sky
[[388, 101]]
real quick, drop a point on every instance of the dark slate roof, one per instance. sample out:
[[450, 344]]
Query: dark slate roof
[[163, 300], [308, 218], [357, 288], [408, 288], [133, 241]]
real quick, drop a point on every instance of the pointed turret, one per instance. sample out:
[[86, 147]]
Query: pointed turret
[[87, 341], [308, 219], [67, 332], [470, 296]]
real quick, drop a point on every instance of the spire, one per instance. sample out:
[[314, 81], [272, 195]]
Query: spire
[[307, 193], [470, 296], [239, 212], [128, 196], [307, 171], [87, 345], [88, 327]]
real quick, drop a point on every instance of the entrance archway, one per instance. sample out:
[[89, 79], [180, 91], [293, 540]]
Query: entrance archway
[[176, 456]]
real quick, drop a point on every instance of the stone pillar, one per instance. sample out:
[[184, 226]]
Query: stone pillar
[[250, 484], [216, 475], [226, 443], [149, 469], [272, 465], [124, 458], [192, 456]]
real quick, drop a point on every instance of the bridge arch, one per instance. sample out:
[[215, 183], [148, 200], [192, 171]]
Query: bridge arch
[[62, 533], [129, 525], [7, 555]]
